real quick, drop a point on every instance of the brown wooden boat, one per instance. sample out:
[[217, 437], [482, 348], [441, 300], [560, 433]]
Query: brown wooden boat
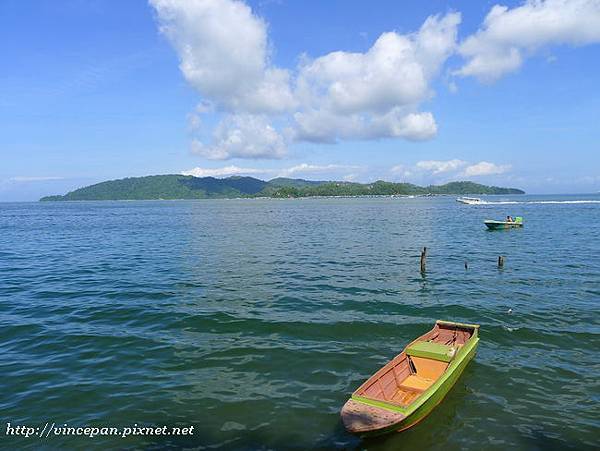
[[408, 387]]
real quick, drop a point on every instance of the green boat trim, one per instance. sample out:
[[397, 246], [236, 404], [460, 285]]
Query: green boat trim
[[465, 351], [429, 350], [432, 396]]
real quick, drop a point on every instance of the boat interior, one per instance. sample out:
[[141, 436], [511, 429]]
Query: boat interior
[[418, 367]]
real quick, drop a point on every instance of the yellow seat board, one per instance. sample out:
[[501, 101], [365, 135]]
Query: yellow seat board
[[416, 382]]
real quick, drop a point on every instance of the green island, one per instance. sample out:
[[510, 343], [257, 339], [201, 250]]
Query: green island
[[171, 187]]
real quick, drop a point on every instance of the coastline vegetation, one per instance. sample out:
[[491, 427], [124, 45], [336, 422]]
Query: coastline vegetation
[[189, 187]]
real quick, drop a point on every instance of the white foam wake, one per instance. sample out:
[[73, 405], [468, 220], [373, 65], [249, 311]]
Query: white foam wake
[[528, 202]]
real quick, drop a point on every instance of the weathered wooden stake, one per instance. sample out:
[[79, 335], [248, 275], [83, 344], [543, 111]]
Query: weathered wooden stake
[[424, 260], [501, 261]]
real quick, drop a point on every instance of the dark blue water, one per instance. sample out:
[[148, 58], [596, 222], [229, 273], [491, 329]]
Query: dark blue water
[[254, 320]]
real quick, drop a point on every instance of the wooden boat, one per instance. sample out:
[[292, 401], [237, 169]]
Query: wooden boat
[[497, 225], [408, 387]]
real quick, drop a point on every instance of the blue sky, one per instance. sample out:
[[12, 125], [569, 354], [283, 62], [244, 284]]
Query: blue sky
[[97, 90]]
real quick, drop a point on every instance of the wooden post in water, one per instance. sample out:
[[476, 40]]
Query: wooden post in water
[[466, 265], [501, 261], [424, 260]]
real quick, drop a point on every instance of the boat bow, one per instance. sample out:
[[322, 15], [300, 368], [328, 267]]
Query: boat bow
[[360, 418]]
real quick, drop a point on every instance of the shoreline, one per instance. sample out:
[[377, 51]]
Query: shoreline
[[362, 196]]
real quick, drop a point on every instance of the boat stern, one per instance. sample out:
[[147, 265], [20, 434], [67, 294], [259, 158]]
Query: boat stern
[[474, 328]]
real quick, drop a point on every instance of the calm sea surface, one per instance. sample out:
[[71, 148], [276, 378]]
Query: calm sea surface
[[254, 320]]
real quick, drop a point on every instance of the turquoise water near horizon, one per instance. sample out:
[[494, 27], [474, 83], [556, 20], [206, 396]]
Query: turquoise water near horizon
[[254, 319]]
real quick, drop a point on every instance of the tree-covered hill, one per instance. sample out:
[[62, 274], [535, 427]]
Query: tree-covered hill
[[381, 188], [188, 187], [166, 187]]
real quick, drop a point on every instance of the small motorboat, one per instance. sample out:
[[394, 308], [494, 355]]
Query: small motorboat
[[469, 200], [408, 387], [498, 225]]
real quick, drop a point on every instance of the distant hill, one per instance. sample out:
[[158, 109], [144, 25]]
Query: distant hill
[[188, 187], [381, 188], [166, 187], [296, 183]]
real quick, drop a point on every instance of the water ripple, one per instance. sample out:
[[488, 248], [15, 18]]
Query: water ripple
[[254, 320]]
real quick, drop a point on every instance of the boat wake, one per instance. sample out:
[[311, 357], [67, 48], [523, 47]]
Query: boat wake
[[530, 202]]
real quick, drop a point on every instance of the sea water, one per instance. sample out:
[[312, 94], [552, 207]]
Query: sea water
[[254, 320]]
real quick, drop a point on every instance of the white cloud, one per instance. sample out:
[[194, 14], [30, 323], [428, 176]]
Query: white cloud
[[508, 36], [26, 179], [440, 167], [412, 126], [402, 171], [194, 122], [590, 179], [223, 50], [398, 168], [340, 95], [303, 168], [328, 127], [485, 168], [219, 172], [224, 53], [375, 94], [306, 168], [423, 171], [242, 136], [439, 171], [394, 71]]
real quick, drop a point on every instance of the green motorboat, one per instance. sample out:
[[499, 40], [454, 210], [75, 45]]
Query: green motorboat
[[499, 225], [409, 387]]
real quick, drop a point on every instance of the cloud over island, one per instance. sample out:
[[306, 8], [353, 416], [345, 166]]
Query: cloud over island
[[261, 109], [423, 171], [337, 96]]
